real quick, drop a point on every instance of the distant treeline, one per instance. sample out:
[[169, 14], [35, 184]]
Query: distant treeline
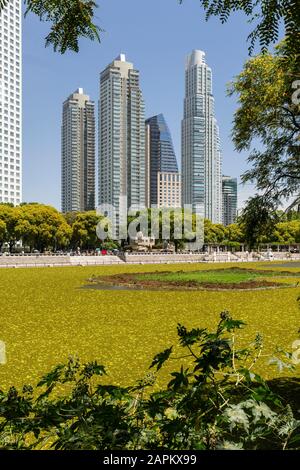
[[42, 227]]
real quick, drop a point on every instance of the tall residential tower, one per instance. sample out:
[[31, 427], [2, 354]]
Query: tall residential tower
[[121, 138], [11, 102], [201, 156], [78, 153]]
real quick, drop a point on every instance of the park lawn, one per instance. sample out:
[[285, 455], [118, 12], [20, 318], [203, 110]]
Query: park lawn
[[46, 316], [213, 276]]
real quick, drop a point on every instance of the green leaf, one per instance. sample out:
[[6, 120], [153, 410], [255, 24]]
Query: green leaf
[[161, 358]]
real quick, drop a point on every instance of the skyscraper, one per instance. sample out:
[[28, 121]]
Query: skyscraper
[[121, 137], [11, 102], [78, 153], [201, 156], [162, 176], [229, 190]]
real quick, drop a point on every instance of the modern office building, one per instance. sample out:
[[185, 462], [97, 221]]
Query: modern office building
[[201, 155], [162, 176], [121, 139], [11, 102], [229, 191], [78, 153]]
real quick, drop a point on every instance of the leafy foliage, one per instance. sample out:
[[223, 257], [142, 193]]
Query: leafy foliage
[[268, 15], [258, 218], [70, 20], [267, 123], [43, 227], [73, 19], [84, 229], [3, 3], [37, 225], [217, 402]]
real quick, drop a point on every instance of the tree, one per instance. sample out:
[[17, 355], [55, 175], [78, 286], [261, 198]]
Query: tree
[[43, 227], [213, 233], [84, 230], [268, 14], [267, 123], [10, 216], [70, 20], [235, 233], [293, 215], [287, 232], [2, 233], [258, 219], [73, 19]]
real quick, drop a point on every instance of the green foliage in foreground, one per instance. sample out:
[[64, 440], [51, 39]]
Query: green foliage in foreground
[[74, 19], [266, 14], [217, 403], [69, 21]]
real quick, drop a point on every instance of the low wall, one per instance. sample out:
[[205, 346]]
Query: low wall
[[56, 261], [95, 260], [138, 258], [162, 258]]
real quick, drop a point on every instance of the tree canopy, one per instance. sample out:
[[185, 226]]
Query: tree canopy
[[44, 228], [70, 20], [37, 225], [268, 16], [267, 125], [84, 229]]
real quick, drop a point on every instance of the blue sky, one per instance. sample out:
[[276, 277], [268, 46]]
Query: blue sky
[[156, 35]]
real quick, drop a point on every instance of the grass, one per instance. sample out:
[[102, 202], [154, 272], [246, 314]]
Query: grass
[[46, 316], [214, 276]]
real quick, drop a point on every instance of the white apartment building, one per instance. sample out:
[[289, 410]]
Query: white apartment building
[[121, 139], [201, 155], [78, 153], [11, 102]]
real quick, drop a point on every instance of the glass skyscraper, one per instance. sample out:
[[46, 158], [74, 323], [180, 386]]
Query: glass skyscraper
[[121, 138], [11, 102], [229, 190], [160, 158], [201, 155]]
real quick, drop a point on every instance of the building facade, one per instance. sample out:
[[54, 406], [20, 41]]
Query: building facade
[[162, 175], [78, 153], [229, 191], [121, 139], [168, 189], [11, 102], [201, 155]]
